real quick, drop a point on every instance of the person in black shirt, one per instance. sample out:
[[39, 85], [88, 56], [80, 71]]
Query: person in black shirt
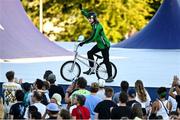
[[18, 109], [131, 98], [54, 88], [122, 111], [102, 110]]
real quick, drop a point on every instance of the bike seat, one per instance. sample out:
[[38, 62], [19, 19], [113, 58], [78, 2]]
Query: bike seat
[[98, 56]]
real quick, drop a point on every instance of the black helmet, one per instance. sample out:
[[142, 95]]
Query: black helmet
[[92, 15]]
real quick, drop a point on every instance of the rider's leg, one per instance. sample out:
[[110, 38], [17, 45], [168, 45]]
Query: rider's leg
[[105, 53], [90, 54]]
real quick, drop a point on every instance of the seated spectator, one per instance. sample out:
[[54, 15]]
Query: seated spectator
[[161, 106], [53, 111], [9, 88], [142, 96], [102, 110], [53, 87], [18, 109], [92, 100], [64, 114], [122, 111], [124, 87], [80, 112], [101, 91]]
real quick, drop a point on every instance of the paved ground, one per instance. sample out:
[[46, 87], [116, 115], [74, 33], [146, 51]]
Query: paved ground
[[155, 67]]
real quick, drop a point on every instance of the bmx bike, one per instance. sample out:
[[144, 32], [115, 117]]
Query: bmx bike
[[71, 70]]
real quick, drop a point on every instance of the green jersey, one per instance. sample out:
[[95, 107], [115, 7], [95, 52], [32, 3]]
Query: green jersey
[[98, 34]]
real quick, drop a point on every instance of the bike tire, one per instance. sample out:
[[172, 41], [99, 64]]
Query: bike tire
[[67, 74], [101, 72]]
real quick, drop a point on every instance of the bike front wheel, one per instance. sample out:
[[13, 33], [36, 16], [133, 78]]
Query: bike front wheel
[[70, 70], [101, 71]]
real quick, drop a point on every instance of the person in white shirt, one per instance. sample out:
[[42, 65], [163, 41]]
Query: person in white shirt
[[9, 88], [36, 99], [142, 97]]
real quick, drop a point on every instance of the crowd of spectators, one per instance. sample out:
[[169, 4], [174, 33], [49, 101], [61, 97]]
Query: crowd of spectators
[[44, 99]]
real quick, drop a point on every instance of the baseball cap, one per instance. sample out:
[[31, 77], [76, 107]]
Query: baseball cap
[[52, 107], [132, 92], [57, 97], [51, 77]]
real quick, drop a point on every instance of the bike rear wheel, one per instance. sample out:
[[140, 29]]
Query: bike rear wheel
[[101, 71], [70, 70]]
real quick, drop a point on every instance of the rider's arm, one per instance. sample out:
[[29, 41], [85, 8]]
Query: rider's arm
[[85, 13]]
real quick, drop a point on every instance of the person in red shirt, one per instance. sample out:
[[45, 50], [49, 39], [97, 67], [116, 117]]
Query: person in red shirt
[[80, 112]]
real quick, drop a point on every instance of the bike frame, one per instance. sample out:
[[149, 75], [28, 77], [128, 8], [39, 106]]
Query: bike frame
[[79, 58]]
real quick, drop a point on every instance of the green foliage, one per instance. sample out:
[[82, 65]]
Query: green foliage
[[65, 21]]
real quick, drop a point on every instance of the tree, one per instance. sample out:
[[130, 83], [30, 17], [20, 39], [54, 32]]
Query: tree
[[63, 19]]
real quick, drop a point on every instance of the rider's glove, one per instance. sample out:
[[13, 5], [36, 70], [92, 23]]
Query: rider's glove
[[81, 44], [80, 6]]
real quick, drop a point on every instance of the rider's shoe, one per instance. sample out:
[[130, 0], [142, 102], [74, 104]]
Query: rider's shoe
[[110, 79], [89, 72]]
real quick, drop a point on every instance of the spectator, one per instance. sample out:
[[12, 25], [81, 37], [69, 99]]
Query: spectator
[[174, 115], [137, 112], [64, 114], [101, 91], [124, 87], [1, 109], [52, 111], [36, 116], [46, 74], [69, 91], [161, 106], [9, 88], [81, 85], [122, 111], [36, 99], [56, 98], [54, 88], [46, 86], [92, 100], [142, 97], [31, 109], [102, 109], [175, 86], [131, 98], [80, 112], [18, 109], [27, 93]]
